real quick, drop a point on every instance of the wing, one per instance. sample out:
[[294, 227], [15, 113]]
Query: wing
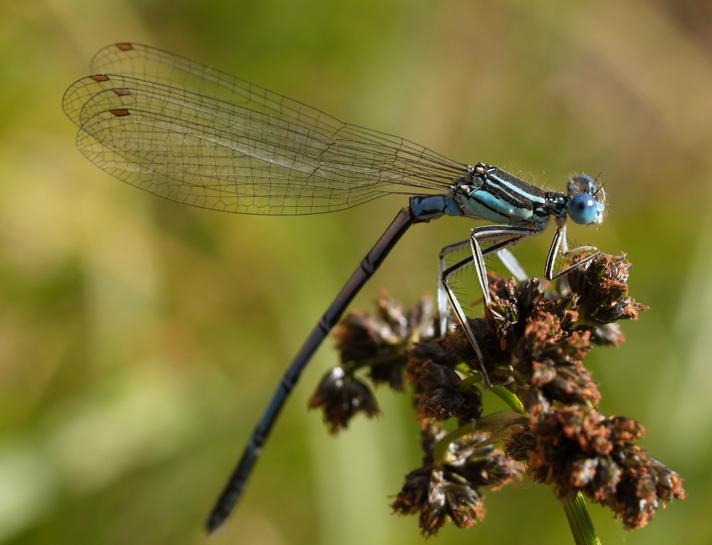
[[199, 136]]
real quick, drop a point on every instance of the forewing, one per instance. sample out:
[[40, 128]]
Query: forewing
[[196, 135]]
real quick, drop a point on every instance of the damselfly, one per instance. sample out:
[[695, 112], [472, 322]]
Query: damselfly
[[194, 134]]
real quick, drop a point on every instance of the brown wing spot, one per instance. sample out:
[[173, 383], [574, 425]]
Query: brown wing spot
[[121, 91], [125, 46], [120, 112], [100, 77]]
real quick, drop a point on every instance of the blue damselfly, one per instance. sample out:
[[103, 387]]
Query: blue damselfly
[[199, 136]]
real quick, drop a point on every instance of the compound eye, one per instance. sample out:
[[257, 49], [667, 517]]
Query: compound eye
[[583, 208]]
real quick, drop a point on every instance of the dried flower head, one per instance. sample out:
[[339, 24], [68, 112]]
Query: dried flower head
[[380, 342], [575, 448], [451, 490], [534, 338], [340, 396], [438, 390], [602, 288], [379, 346]]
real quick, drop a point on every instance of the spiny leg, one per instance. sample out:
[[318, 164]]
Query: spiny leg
[[460, 313], [560, 246], [503, 236], [497, 232], [443, 299], [506, 257]]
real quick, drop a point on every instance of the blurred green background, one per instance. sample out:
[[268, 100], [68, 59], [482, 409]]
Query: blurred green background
[[140, 339]]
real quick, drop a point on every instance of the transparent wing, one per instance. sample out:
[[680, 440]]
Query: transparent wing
[[199, 136]]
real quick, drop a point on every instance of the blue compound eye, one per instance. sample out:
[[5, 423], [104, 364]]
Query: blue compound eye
[[583, 208]]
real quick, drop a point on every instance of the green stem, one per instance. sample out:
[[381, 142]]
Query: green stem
[[469, 381], [580, 521], [510, 398], [466, 370], [440, 450]]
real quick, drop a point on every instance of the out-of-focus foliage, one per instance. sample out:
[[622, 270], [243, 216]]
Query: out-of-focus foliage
[[139, 339]]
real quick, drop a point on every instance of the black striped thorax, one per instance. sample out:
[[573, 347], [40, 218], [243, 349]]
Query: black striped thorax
[[490, 193]]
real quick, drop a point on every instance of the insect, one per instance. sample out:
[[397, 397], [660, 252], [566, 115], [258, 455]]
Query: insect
[[199, 136]]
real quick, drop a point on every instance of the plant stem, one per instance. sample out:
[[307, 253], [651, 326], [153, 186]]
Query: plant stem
[[440, 450], [580, 521], [510, 398]]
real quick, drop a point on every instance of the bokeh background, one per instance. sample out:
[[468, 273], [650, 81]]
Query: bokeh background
[[140, 339]]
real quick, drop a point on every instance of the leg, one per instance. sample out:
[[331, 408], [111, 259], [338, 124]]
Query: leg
[[443, 311], [512, 264], [560, 246], [503, 237], [505, 256], [460, 313], [498, 233], [236, 483]]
